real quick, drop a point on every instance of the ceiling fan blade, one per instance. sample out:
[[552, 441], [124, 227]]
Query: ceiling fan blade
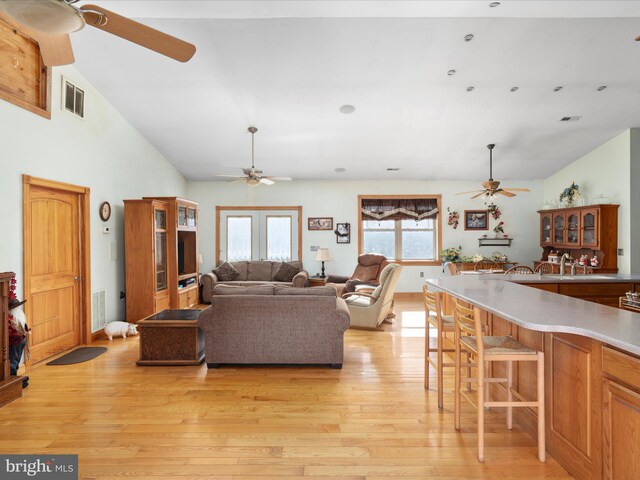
[[135, 32], [505, 193], [266, 181], [517, 189], [280, 179], [478, 195], [472, 191], [55, 49]]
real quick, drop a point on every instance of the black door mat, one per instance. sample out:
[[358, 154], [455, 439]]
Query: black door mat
[[79, 355]]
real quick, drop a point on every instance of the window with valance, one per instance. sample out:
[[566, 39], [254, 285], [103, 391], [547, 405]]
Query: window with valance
[[403, 228]]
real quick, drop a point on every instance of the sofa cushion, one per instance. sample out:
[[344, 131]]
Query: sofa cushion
[[366, 274], [259, 271], [226, 272], [242, 268], [313, 291], [265, 289], [286, 272]]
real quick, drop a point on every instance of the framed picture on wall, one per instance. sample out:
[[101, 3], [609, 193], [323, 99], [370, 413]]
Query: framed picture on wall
[[476, 220], [343, 233], [320, 223]]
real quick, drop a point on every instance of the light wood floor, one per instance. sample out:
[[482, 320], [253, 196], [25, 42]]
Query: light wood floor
[[371, 420]]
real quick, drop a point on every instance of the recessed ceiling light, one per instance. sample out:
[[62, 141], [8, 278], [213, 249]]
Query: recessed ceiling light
[[394, 169], [570, 119], [601, 88], [470, 89], [468, 37], [347, 109], [340, 170], [494, 4], [514, 89], [558, 88], [451, 72]]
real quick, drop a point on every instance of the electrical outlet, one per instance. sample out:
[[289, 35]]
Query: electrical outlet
[[621, 251], [421, 274], [314, 248]]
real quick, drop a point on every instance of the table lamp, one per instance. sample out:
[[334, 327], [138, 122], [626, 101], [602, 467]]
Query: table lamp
[[322, 255]]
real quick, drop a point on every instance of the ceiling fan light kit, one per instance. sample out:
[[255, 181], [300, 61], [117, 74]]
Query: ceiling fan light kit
[[491, 186], [49, 22], [252, 176]]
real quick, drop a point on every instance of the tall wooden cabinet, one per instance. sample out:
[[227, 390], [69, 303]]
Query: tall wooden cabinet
[[591, 230], [161, 250], [10, 387]]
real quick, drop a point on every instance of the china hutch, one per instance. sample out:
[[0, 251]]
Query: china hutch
[[590, 230], [161, 250]]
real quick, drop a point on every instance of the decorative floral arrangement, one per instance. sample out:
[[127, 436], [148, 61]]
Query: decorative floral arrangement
[[570, 194], [477, 258], [494, 210], [452, 254], [499, 228], [454, 218]]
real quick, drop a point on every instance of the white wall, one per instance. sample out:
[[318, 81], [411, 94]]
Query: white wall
[[634, 179], [604, 170], [338, 199], [102, 152]]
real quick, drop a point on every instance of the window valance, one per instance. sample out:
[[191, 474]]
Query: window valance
[[399, 208]]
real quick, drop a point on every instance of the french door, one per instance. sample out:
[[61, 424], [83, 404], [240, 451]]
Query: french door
[[258, 234]]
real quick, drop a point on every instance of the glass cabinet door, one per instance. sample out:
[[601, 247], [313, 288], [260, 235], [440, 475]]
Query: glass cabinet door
[[589, 223], [545, 229], [161, 249], [558, 229], [573, 228], [191, 217], [182, 216]]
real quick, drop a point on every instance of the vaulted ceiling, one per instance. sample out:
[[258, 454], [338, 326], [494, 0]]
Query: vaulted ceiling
[[287, 67]]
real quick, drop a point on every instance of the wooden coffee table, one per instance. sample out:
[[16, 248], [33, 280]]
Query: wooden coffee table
[[171, 337]]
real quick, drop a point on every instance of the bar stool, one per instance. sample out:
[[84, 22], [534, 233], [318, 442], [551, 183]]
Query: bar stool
[[443, 324], [486, 349]]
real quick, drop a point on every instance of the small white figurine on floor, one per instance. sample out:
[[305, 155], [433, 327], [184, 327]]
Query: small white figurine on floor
[[120, 328]]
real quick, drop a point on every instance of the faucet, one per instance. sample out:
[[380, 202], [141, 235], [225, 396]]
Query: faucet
[[563, 262]]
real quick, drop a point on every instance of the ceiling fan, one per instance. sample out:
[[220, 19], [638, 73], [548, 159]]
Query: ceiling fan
[[253, 176], [49, 22], [492, 187]]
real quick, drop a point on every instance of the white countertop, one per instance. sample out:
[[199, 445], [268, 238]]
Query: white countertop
[[545, 311]]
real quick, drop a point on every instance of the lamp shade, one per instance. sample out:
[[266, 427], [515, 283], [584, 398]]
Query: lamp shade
[[322, 255]]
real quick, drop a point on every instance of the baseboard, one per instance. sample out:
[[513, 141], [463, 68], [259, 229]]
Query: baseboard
[[98, 335], [407, 296]]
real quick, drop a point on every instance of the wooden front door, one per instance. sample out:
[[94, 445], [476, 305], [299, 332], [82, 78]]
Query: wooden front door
[[52, 269]]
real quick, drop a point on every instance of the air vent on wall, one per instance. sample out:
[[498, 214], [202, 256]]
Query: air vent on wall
[[72, 98], [98, 310], [570, 119]]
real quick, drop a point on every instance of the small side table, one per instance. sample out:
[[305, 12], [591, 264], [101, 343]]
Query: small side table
[[316, 281], [171, 337]]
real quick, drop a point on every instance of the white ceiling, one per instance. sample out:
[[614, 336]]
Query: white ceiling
[[287, 67]]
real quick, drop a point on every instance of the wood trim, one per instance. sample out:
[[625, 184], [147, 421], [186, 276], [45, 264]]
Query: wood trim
[[438, 197], [220, 209], [98, 335], [84, 226]]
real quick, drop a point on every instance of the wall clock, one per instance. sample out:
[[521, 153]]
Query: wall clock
[[105, 211]]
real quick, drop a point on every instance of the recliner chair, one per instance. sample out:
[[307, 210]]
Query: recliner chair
[[367, 272], [369, 310]]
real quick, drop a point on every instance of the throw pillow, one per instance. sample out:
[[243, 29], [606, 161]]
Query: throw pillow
[[226, 272], [286, 272]]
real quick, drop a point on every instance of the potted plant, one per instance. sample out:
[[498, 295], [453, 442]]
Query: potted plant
[[570, 194], [499, 230]]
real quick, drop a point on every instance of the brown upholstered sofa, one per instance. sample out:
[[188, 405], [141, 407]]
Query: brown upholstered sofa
[[368, 270], [252, 273], [267, 324]]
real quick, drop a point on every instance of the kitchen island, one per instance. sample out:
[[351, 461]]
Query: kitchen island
[[592, 362]]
